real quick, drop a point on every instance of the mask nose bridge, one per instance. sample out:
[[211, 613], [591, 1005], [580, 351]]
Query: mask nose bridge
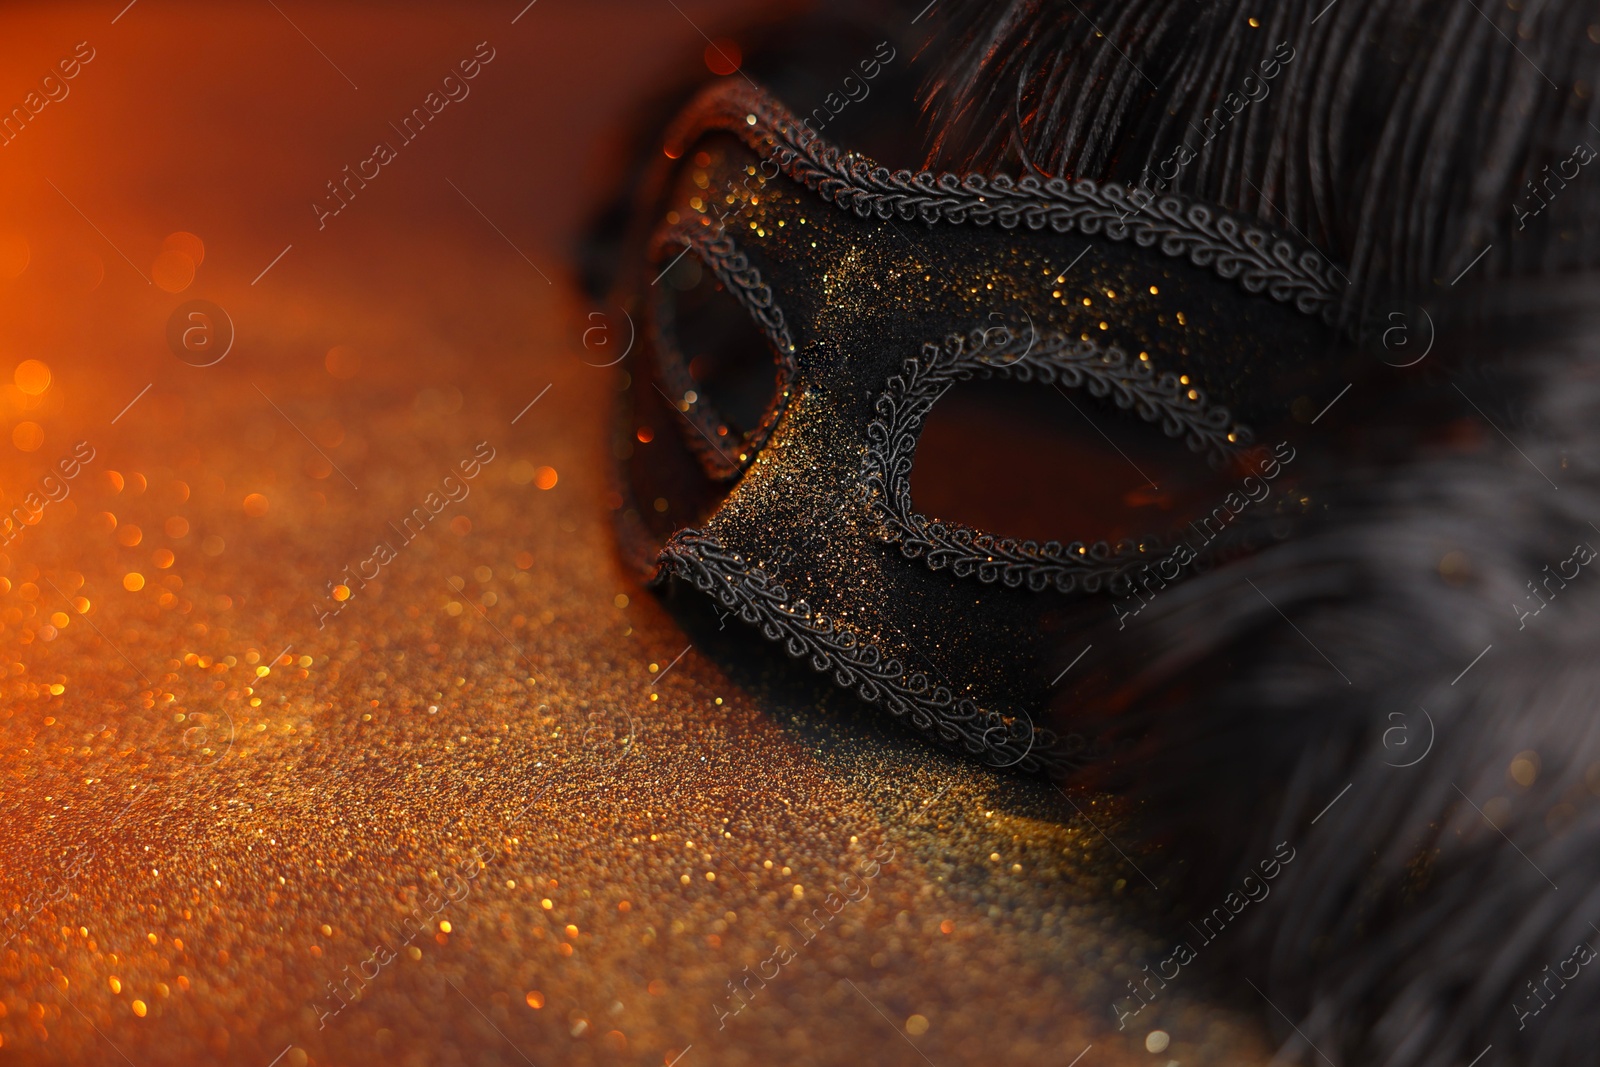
[[788, 257], [801, 486]]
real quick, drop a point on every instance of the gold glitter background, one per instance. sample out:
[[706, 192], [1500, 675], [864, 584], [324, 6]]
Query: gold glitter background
[[502, 806]]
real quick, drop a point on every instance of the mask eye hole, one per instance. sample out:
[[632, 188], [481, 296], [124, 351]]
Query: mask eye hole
[[1032, 461], [699, 402], [726, 360]]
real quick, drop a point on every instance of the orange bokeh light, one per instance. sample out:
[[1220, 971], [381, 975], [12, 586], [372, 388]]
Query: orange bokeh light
[[28, 436], [32, 376], [14, 255], [723, 56], [343, 362], [188, 244], [173, 271]]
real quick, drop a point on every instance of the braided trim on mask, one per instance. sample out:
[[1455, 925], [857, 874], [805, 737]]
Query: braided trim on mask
[[1051, 359], [1003, 740], [1260, 260]]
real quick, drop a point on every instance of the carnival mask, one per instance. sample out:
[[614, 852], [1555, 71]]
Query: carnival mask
[[1116, 365]]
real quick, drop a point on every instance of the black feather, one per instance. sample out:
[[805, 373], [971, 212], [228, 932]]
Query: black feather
[[1259, 703], [1396, 140]]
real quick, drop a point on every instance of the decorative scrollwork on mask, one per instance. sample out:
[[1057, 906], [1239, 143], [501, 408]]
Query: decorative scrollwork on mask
[[1235, 248], [1005, 740], [1050, 359]]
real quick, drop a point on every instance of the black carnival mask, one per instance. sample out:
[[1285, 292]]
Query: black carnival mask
[[1111, 361]]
